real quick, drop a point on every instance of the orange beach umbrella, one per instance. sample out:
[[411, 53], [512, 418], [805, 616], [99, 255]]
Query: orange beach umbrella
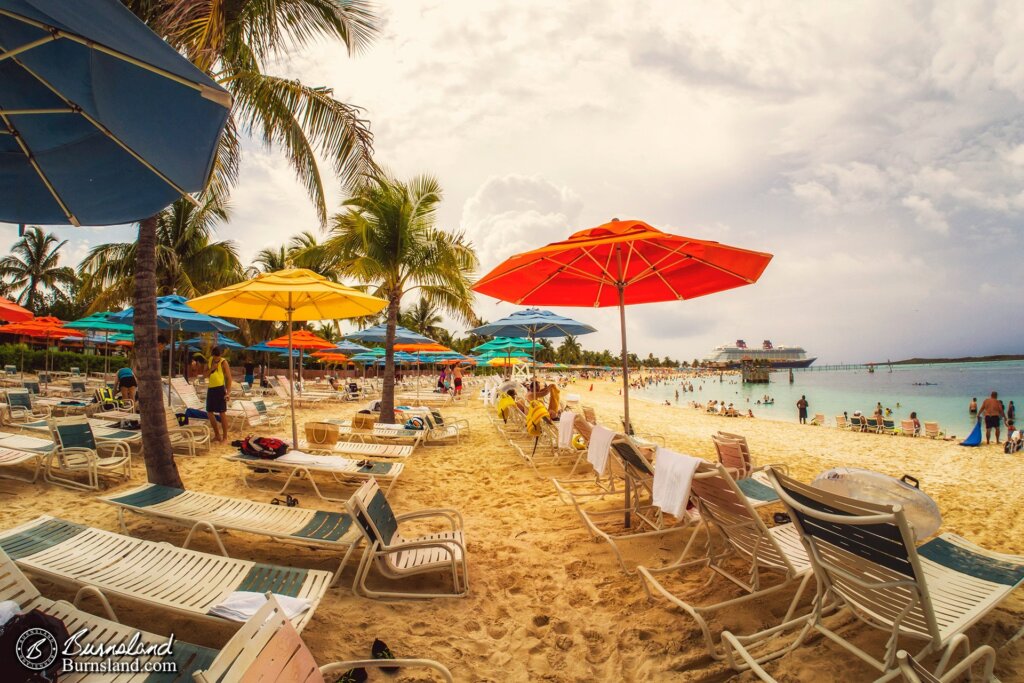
[[621, 263], [12, 312]]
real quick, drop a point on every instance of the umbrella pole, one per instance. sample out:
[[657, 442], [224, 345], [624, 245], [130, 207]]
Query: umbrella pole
[[625, 385], [170, 367], [291, 375]]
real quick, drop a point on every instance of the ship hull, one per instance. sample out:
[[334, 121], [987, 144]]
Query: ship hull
[[776, 364]]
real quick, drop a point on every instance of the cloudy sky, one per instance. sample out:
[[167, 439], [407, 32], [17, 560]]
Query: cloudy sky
[[876, 149]]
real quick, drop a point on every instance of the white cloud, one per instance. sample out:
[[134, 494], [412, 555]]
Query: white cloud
[[925, 214]]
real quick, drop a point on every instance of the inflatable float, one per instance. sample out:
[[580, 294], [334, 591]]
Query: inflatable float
[[874, 487]]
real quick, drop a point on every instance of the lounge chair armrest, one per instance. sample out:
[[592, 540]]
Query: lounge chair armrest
[[86, 454], [444, 544], [112, 448], [335, 667], [453, 516]]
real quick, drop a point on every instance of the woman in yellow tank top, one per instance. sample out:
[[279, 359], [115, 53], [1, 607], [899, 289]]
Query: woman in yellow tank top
[[218, 374]]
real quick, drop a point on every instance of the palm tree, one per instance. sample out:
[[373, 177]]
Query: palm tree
[[34, 265], [570, 350], [231, 41], [188, 261], [545, 350], [387, 238], [423, 318]]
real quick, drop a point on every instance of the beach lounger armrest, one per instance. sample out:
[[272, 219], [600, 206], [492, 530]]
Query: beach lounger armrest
[[445, 544], [778, 467], [453, 516], [335, 667], [734, 647], [109, 448]]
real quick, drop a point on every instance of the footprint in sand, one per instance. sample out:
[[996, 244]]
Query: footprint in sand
[[541, 620]]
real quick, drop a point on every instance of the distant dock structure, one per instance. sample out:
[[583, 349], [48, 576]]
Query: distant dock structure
[[755, 371]]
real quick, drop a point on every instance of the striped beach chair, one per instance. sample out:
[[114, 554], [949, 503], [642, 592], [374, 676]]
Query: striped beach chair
[[200, 512], [863, 555], [186, 582]]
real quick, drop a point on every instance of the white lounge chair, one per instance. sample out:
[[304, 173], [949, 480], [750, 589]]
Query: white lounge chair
[[397, 557], [78, 451], [199, 511], [297, 466], [187, 582], [864, 556]]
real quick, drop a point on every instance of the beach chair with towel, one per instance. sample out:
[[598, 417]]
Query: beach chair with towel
[[296, 466], [643, 508], [744, 551], [77, 451], [257, 648], [201, 586], [396, 557], [864, 557], [197, 511]]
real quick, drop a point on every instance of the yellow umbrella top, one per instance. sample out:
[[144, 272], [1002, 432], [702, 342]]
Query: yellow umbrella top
[[298, 291], [505, 361]]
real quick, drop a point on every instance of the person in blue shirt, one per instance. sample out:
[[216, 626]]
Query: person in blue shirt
[[127, 384]]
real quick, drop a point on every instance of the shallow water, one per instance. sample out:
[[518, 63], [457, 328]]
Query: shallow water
[[944, 400]]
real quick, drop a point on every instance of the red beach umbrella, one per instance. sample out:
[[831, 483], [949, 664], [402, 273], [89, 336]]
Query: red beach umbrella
[[302, 339], [618, 264], [12, 312]]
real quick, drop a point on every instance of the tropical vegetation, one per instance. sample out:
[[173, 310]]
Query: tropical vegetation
[[32, 270]]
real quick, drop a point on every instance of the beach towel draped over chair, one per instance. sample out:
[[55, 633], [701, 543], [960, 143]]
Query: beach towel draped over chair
[[743, 551], [864, 556], [397, 557]]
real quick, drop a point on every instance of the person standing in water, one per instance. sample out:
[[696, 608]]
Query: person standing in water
[[992, 409], [217, 391], [973, 408], [801, 407]]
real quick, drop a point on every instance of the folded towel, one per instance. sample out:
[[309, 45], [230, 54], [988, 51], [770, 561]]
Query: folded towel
[[301, 458], [597, 452], [241, 605], [565, 423], [8, 609], [673, 473]]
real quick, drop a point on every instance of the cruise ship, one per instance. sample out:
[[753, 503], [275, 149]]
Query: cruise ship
[[730, 356]]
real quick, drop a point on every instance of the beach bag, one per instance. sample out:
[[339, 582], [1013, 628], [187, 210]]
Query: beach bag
[[364, 420], [105, 397], [322, 433], [265, 447], [12, 669]]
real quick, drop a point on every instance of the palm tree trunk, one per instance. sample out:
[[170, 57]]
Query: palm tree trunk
[[387, 397], [156, 444]]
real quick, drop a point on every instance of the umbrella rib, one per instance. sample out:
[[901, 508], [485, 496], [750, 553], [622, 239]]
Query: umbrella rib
[[221, 97], [103, 129], [13, 52], [657, 273], [39, 171]]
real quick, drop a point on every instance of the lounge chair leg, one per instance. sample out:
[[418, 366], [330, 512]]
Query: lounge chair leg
[[344, 561], [86, 591], [208, 527]]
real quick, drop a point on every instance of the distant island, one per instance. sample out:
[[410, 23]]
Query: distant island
[[966, 359]]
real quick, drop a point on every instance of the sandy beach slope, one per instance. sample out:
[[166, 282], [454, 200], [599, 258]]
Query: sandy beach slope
[[547, 603]]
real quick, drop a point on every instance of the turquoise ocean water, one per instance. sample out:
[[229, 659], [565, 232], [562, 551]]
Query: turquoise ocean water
[[944, 399]]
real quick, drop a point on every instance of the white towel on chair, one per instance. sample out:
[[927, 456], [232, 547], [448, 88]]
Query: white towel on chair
[[597, 452], [241, 605], [565, 424], [673, 473]]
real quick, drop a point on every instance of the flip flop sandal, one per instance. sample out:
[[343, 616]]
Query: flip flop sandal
[[353, 676], [381, 651]]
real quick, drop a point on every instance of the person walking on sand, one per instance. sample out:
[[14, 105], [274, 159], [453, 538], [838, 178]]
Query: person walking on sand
[[217, 391], [992, 410], [801, 407], [457, 380]]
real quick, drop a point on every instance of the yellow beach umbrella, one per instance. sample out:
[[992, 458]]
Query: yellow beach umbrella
[[288, 295], [505, 362]]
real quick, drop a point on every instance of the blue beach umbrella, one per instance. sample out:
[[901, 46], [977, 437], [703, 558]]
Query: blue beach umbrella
[[173, 313], [534, 323], [218, 340], [378, 335], [103, 122], [346, 346]]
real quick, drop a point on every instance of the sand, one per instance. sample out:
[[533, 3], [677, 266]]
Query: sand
[[546, 602]]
